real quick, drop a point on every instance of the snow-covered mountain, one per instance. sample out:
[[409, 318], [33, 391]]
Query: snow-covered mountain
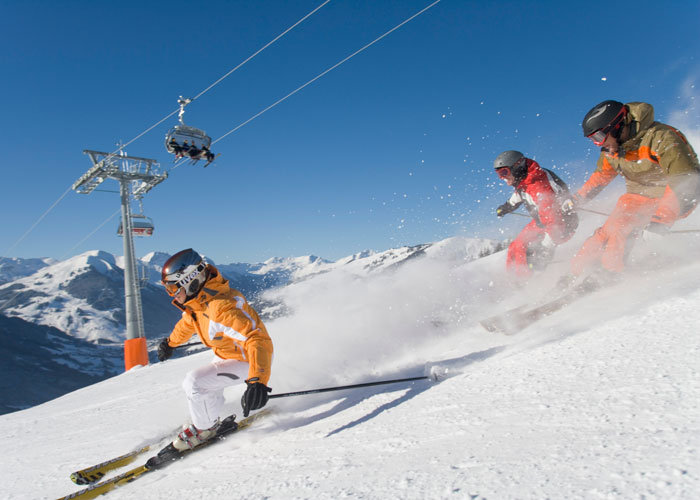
[[83, 297], [599, 400], [15, 268]]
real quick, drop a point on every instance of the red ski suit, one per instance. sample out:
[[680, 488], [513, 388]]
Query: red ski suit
[[554, 221]]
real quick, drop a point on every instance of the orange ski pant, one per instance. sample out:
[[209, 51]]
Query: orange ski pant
[[516, 260], [607, 245]]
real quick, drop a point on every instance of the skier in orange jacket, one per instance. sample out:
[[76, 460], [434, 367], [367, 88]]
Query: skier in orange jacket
[[661, 173], [225, 322]]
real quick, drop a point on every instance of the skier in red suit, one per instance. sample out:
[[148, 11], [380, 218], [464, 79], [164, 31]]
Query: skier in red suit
[[548, 202]]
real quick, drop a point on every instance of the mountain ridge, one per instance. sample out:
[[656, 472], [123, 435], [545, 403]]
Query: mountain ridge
[[83, 297]]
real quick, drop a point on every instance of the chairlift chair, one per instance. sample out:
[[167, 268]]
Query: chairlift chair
[[182, 138], [181, 134], [140, 226]]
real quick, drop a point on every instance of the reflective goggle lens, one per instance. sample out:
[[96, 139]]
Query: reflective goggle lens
[[598, 137], [171, 288], [503, 172]]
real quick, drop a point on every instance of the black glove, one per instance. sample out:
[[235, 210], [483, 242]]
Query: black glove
[[164, 350], [506, 208], [255, 396]]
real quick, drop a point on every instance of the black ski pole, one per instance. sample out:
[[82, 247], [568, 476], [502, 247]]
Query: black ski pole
[[671, 231], [592, 211], [191, 344], [340, 388]]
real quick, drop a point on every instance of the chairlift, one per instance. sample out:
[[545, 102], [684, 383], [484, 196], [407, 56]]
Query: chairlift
[[140, 226], [188, 142]]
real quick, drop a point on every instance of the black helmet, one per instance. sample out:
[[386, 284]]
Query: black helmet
[[606, 118], [515, 161], [186, 269]]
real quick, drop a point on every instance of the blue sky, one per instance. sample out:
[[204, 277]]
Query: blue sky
[[392, 148]]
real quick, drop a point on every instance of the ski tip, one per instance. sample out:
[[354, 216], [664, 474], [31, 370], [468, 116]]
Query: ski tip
[[81, 480]]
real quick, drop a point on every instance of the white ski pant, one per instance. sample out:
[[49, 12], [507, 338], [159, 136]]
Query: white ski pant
[[205, 386]]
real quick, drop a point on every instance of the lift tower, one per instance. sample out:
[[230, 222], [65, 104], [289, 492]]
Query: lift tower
[[136, 177]]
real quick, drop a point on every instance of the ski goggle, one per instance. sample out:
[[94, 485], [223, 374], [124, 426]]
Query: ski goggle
[[172, 288], [598, 137], [503, 172]]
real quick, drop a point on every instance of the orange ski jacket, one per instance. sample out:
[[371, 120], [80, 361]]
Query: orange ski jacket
[[226, 323], [657, 162]]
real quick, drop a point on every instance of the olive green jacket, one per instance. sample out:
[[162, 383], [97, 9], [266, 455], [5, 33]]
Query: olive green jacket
[[657, 156]]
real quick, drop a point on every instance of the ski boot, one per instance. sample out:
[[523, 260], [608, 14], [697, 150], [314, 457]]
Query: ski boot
[[191, 437]]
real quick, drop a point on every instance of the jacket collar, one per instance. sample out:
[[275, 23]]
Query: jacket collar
[[640, 118]]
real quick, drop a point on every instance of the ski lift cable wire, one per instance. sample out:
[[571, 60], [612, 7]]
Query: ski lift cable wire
[[38, 221], [226, 75], [91, 233], [260, 50], [182, 160], [324, 72], [122, 146]]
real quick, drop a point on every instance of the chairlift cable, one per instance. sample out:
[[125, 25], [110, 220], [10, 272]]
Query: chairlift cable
[[122, 146], [326, 71], [260, 50], [180, 161], [226, 75], [38, 221], [91, 233]]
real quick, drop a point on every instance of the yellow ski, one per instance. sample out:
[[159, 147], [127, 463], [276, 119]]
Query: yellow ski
[[94, 473], [103, 487]]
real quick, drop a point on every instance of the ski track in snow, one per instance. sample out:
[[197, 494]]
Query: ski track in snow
[[600, 400]]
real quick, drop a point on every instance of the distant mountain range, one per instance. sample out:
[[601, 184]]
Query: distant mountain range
[[65, 320]]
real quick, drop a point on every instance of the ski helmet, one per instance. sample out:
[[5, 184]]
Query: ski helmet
[[514, 161], [605, 118], [186, 269]]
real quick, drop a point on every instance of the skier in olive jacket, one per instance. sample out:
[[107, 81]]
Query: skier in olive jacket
[[661, 172]]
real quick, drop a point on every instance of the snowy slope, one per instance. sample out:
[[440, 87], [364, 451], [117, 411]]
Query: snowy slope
[[83, 297], [601, 400]]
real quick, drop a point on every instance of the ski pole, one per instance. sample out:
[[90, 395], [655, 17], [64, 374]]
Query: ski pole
[[676, 231], [670, 231], [340, 388], [592, 211], [191, 344]]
